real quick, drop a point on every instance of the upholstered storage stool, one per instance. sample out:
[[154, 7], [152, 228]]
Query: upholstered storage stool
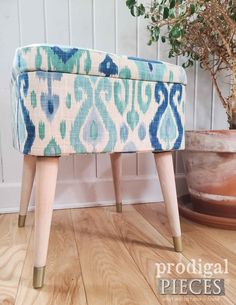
[[77, 101]]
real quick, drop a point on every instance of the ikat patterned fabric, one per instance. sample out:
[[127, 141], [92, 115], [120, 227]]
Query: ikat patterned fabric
[[70, 100]]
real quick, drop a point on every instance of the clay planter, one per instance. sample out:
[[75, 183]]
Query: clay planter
[[210, 166]]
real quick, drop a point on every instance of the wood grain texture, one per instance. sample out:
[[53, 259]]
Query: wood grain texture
[[197, 244], [110, 274], [116, 165], [63, 280], [46, 178], [28, 175], [226, 238], [99, 257], [13, 248], [147, 247]]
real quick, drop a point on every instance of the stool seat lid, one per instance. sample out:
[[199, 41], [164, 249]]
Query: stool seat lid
[[74, 60]]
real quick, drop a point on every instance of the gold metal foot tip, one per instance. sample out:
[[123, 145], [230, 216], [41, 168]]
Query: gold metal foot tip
[[38, 277], [178, 243], [21, 221], [119, 207]]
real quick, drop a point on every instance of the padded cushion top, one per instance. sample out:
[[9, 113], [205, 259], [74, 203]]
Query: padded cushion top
[[75, 60]]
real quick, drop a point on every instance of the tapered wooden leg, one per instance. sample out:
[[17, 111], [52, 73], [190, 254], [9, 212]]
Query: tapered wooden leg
[[46, 177], [116, 165], [26, 187], [164, 164]]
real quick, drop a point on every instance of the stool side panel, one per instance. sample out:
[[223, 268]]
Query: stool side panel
[[58, 114]]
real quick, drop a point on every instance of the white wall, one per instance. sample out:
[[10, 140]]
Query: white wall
[[99, 24]]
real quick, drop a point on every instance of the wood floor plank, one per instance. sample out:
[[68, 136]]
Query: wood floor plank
[[148, 247], [227, 238], [197, 244], [13, 248], [110, 275], [63, 281], [116, 255]]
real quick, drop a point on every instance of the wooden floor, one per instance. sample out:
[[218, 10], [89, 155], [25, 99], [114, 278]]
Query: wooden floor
[[99, 257]]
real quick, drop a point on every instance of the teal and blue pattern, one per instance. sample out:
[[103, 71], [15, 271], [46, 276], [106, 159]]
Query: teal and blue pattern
[[72, 101], [92, 62]]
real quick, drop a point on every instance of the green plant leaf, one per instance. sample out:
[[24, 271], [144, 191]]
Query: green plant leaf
[[188, 63], [172, 13], [175, 32], [141, 9], [137, 10], [163, 39], [172, 4], [171, 53], [130, 3], [155, 33], [153, 18], [161, 9], [192, 8], [166, 13], [132, 10], [194, 56]]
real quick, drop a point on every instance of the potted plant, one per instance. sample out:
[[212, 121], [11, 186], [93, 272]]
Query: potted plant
[[204, 31]]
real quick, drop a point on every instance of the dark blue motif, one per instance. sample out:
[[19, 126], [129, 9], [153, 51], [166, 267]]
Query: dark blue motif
[[108, 67], [150, 66], [30, 128], [49, 101], [23, 77], [177, 88], [49, 104], [153, 127], [64, 55]]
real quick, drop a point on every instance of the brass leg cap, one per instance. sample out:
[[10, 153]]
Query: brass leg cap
[[119, 207], [177, 240], [38, 277], [21, 221]]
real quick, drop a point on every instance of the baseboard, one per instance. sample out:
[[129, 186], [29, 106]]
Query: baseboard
[[90, 193]]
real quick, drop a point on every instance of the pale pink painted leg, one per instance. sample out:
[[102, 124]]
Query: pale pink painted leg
[[165, 169], [46, 177], [116, 165], [26, 187]]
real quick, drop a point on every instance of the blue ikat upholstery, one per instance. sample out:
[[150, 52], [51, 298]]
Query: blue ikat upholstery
[[70, 101]]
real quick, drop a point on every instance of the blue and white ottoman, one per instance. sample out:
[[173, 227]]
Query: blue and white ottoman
[[77, 101]]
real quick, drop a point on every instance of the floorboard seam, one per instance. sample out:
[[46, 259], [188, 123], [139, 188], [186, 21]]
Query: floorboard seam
[[26, 252], [120, 234], [77, 248]]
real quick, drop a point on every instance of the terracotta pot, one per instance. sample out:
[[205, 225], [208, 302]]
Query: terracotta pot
[[210, 166]]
